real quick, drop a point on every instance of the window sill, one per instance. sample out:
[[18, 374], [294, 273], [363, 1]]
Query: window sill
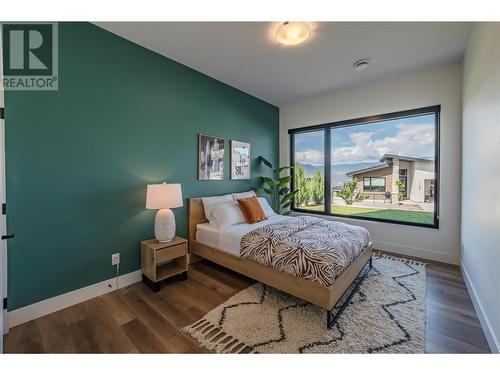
[[377, 220]]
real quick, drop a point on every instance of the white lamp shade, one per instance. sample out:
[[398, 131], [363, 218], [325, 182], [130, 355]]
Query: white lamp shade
[[164, 195]]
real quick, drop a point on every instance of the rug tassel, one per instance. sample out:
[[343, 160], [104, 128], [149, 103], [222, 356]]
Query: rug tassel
[[233, 345], [241, 349], [202, 325], [220, 339], [207, 329], [196, 324], [210, 344], [210, 331]]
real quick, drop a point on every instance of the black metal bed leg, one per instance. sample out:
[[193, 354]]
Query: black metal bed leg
[[332, 319]]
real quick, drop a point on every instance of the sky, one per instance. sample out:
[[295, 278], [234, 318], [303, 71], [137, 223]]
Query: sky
[[412, 136]]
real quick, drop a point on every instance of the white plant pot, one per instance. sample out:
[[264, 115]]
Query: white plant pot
[[165, 225]]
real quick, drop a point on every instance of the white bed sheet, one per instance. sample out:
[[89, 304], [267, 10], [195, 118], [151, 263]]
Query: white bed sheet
[[207, 234], [229, 239]]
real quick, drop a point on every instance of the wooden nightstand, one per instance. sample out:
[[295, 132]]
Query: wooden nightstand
[[160, 261]]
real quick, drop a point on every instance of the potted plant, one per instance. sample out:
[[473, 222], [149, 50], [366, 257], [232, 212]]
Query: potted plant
[[278, 188]]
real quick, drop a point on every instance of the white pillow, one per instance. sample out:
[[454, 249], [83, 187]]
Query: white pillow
[[209, 204], [227, 214], [246, 194], [268, 211]]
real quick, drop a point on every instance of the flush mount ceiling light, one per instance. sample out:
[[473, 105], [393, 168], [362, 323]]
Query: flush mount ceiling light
[[361, 65], [293, 33]]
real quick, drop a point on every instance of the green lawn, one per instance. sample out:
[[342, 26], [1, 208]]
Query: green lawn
[[388, 214]]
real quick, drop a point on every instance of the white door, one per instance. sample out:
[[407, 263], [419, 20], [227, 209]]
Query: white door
[[3, 243]]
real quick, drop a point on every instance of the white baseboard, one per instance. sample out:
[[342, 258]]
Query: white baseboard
[[493, 341], [418, 252], [36, 310]]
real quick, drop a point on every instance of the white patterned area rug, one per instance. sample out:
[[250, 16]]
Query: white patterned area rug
[[387, 315]]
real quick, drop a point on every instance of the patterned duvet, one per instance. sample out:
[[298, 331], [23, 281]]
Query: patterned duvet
[[304, 246]]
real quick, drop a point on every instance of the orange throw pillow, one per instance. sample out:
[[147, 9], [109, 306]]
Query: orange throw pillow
[[252, 210]]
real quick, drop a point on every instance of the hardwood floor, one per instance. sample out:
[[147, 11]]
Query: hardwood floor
[[136, 320]]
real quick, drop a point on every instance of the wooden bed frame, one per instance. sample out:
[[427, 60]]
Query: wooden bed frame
[[315, 293]]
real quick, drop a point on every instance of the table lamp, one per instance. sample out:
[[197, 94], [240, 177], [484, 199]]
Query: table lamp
[[163, 197]]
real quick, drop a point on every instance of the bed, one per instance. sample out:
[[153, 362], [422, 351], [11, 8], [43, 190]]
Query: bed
[[240, 248]]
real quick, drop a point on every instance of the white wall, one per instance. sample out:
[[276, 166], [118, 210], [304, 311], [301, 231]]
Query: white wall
[[441, 85], [481, 176], [422, 172], [418, 186]]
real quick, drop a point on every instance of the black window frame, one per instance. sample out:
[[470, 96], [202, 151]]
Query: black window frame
[[436, 110], [371, 188]]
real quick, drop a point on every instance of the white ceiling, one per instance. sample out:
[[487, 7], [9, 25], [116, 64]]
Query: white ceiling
[[245, 54]]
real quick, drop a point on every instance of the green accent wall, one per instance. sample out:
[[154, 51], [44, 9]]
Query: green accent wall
[[78, 159]]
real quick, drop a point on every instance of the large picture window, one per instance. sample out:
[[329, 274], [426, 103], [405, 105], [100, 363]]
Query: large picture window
[[381, 168]]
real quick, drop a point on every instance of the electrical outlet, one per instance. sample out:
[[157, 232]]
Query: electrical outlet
[[115, 259]]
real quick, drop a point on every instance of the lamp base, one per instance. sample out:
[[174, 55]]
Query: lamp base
[[164, 225]]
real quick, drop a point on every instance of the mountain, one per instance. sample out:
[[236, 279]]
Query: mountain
[[339, 171]]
